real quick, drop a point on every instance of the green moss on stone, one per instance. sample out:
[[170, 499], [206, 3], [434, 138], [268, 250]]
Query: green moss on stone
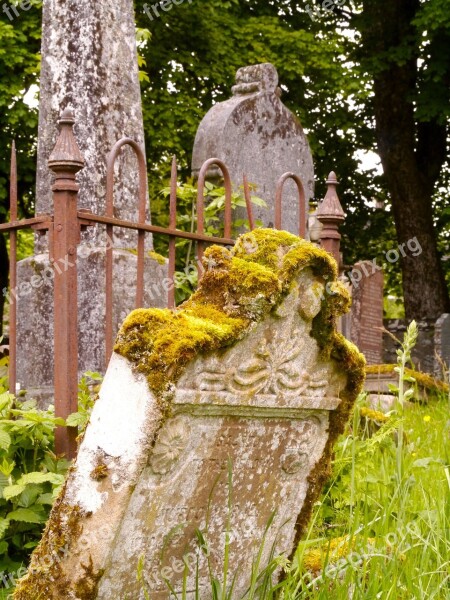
[[158, 257], [426, 382], [45, 578], [238, 289]]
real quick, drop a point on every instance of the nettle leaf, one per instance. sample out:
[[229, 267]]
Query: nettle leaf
[[76, 419], [5, 439], [4, 481], [26, 515], [41, 478], [4, 547], [29, 495], [12, 491], [4, 524], [46, 499]]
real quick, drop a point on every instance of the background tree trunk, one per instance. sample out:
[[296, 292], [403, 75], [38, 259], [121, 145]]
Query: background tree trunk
[[412, 153]]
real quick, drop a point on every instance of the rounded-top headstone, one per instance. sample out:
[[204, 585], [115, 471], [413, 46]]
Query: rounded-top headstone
[[255, 134]]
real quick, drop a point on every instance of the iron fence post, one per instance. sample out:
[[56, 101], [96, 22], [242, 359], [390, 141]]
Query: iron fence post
[[65, 161], [331, 215]]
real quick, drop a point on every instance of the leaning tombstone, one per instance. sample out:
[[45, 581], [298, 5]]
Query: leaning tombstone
[[213, 430], [255, 134]]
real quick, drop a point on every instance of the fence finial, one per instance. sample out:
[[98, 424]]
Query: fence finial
[[66, 155], [331, 215]]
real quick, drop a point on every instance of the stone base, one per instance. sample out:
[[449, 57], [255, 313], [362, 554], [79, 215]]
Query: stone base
[[35, 312]]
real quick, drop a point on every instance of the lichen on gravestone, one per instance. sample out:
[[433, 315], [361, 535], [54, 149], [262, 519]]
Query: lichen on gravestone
[[245, 386], [255, 134]]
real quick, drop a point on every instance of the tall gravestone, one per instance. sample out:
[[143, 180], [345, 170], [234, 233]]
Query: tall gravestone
[[442, 345], [89, 64], [256, 135], [219, 418], [366, 317]]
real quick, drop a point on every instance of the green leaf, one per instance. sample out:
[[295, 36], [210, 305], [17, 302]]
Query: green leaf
[[26, 515], [4, 524], [45, 499], [12, 491], [423, 463], [4, 547], [76, 419], [41, 478], [29, 495], [5, 439]]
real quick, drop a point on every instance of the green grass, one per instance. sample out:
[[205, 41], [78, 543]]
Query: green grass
[[395, 533], [381, 528], [378, 531]]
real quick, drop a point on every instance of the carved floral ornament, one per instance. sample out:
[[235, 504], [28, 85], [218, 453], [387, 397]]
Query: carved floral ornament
[[282, 356], [170, 445]]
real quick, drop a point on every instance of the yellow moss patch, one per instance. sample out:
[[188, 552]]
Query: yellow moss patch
[[238, 288], [158, 257], [425, 381], [374, 415], [329, 552]]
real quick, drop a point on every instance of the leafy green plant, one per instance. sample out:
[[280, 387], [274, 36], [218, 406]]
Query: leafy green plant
[[31, 476], [88, 388], [186, 276]]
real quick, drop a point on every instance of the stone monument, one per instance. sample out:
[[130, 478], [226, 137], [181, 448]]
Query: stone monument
[[366, 317], [215, 421], [442, 345], [256, 135], [89, 64]]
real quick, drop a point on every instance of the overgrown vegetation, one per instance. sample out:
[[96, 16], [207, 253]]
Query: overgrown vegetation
[[31, 475], [377, 531], [186, 274]]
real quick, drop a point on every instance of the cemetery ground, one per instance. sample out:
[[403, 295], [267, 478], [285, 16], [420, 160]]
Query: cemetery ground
[[381, 528]]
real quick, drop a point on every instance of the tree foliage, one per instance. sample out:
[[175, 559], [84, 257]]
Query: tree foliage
[[329, 66]]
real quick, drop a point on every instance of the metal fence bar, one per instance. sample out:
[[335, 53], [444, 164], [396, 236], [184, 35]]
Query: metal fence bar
[[143, 202], [41, 222], [301, 201], [13, 274], [201, 203], [177, 233], [248, 202], [110, 163], [65, 161], [331, 214], [172, 225]]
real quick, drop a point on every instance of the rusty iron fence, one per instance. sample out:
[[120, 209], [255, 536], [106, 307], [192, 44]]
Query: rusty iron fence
[[67, 221]]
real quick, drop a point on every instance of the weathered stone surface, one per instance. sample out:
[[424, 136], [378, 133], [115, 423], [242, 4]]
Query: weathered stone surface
[[367, 312], [254, 133], [442, 344], [236, 397], [35, 310], [89, 63], [423, 353]]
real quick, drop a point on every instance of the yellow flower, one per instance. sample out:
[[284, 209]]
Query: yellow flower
[[427, 418]]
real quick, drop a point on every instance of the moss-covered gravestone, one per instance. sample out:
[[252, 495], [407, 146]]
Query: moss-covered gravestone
[[214, 422]]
